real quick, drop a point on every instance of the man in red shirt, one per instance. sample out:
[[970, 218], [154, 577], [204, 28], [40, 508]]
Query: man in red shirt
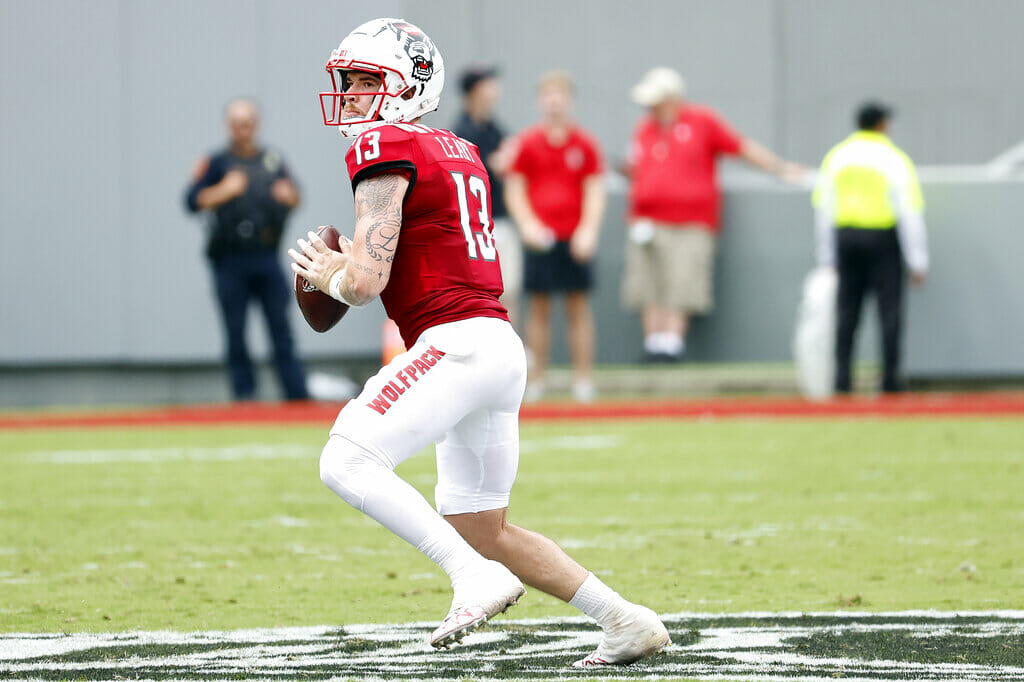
[[423, 243], [674, 208], [555, 193]]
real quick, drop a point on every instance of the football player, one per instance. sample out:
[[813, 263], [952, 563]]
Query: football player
[[423, 243]]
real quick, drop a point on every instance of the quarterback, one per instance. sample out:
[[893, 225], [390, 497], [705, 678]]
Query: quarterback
[[423, 243]]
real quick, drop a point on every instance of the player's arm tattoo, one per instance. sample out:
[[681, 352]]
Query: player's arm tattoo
[[379, 216], [378, 200], [364, 268]]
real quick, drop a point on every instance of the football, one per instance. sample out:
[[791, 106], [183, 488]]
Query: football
[[320, 310]]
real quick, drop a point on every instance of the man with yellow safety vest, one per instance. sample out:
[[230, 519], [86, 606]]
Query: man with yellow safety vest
[[869, 219]]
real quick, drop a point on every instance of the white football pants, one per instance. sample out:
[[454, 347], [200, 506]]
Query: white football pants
[[460, 386]]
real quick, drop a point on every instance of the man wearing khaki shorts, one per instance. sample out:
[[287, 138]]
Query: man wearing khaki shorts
[[674, 208], [669, 268]]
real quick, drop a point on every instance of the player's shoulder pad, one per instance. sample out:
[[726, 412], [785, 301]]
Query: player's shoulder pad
[[471, 145], [384, 142], [390, 132], [381, 149]]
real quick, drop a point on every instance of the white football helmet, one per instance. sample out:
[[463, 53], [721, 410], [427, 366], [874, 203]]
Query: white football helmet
[[404, 59]]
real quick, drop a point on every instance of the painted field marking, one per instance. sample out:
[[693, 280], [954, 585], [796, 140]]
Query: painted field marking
[[928, 645]]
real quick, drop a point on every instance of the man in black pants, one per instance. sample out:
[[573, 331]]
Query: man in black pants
[[868, 209], [248, 192]]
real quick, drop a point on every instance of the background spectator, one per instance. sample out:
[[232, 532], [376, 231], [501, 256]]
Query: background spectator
[[248, 192], [556, 195], [868, 209], [674, 209], [480, 94]]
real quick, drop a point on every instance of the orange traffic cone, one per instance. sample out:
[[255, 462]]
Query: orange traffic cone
[[393, 344]]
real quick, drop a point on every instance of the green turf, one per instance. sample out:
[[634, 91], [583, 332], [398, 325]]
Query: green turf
[[724, 515]]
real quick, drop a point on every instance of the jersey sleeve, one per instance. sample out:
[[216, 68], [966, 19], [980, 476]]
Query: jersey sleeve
[[521, 162], [593, 163], [910, 228], [909, 187], [724, 139], [208, 171], [386, 149]]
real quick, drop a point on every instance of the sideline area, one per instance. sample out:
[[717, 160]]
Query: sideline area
[[1006, 404]]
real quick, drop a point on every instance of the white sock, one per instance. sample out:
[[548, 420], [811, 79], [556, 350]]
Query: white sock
[[450, 554], [652, 343], [594, 598], [673, 344]]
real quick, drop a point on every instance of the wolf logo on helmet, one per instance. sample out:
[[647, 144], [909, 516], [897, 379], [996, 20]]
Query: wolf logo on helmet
[[420, 53], [417, 45]]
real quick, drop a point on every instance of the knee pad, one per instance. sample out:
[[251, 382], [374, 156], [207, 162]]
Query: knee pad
[[350, 470]]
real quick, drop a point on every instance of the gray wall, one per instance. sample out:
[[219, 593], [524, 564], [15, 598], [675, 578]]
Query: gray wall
[[105, 105]]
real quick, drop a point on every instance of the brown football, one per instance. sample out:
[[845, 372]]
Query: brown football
[[320, 310]]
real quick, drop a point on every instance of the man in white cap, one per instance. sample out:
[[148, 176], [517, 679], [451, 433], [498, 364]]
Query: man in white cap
[[674, 208]]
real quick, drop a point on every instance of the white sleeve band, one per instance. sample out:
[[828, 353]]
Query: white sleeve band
[[913, 241]]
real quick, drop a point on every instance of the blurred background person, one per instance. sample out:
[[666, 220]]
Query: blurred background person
[[675, 207], [555, 194], [869, 218], [481, 92], [248, 193]]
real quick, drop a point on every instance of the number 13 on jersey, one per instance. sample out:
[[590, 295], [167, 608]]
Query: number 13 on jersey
[[481, 244]]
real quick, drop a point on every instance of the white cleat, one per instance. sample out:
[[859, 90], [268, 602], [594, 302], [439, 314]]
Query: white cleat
[[476, 600], [635, 632]]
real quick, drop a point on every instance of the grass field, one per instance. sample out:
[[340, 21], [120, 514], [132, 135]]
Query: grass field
[[776, 548], [187, 529]]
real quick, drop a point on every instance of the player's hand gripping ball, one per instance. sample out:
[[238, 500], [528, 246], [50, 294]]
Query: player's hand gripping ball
[[320, 310]]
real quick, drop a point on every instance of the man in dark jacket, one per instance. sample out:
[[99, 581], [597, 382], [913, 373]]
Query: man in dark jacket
[[247, 191]]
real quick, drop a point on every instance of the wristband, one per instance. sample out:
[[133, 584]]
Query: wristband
[[334, 288]]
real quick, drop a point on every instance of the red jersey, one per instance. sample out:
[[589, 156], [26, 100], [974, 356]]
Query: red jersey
[[445, 267], [555, 174], [673, 168]]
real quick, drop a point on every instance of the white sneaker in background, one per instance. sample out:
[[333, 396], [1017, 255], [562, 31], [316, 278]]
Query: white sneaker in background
[[331, 388], [477, 598], [534, 392], [584, 391], [632, 632]]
